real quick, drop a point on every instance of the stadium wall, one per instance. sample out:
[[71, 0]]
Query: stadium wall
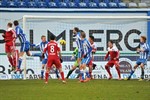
[[128, 56]]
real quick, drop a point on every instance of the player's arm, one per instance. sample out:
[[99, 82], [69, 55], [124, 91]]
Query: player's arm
[[59, 53], [107, 54], [117, 55], [45, 50], [35, 45]]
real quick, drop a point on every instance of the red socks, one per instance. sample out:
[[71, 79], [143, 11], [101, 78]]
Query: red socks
[[118, 71], [90, 74], [46, 77], [62, 75], [10, 60], [108, 70]]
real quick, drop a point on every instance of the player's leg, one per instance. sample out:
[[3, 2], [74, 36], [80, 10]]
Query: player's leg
[[142, 72], [10, 59], [107, 67], [132, 72], [90, 68], [14, 54], [73, 68], [87, 62], [56, 71], [49, 65], [22, 50], [28, 53], [117, 66], [8, 52], [47, 74], [57, 74], [44, 61], [81, 73], [79, 58], [42, 71], [59, 67]]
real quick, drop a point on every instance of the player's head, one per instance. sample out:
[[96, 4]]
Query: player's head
[[43, 38], [91, 39], [75, 30], [110, 43], [9, 25], [83, 35], [16, 23], [52, 37], [143, 39]]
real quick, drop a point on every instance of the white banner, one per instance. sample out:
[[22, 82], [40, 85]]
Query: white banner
[[125, 32], [34, 69]]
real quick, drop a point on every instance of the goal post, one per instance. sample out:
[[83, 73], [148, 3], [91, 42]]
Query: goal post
[[102, 27]]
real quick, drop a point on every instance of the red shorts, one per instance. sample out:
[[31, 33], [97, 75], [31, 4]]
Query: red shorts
[[90, 63], [111, 63], [9, 48], [55, 61]]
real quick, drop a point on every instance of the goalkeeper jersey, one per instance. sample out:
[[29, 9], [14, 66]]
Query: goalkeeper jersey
[[75, 53]]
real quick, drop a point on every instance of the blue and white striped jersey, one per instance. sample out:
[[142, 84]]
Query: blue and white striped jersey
[[20, 34], [79, 42], [42, 45], [145, 47], [87, 48]]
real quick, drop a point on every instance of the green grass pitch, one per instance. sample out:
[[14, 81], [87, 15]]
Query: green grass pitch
[[93, 90]]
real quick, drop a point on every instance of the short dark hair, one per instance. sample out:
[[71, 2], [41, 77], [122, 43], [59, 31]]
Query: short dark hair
[[76, 29], [16, 22], [9, 24], [144, 38], [111, 41], [52, 37], [43, 36], [92, 37], [83, 35]]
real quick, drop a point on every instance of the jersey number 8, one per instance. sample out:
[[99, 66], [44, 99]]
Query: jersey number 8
[[52, 49]]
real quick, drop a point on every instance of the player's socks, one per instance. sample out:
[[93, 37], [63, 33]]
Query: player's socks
[[10, 60], [42, 73], [82, 74], [142, 71], [19, 63], [87, 73], [90, 73], [62, 75], [130, 74], [46, 77], [118, 71], [69, 73], [57, 73]]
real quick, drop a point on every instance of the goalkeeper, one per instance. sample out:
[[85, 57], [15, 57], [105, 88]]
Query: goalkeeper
[[74, 56]]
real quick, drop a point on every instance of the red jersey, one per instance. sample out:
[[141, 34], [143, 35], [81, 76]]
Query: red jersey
[[113, 52], [94, 47], [52, 48], [10, 36]]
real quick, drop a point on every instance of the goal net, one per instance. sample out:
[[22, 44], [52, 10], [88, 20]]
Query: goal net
[[125, 31]]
